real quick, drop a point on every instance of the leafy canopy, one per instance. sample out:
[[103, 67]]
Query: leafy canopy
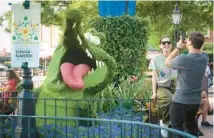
[[197, 15]]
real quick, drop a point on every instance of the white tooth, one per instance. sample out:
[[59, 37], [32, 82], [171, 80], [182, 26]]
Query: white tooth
[[79, 39], [58, 82], [87, 52], [74, 25], [100, 64], [103, 64], [97, 63], [92, 70], [90, 55]]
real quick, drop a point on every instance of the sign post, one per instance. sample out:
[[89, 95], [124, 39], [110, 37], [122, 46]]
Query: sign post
[[25, 35], [25, 53]]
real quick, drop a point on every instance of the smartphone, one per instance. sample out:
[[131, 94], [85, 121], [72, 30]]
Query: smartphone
[[183, 37]]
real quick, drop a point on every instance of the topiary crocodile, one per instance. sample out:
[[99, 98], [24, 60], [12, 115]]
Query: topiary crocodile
[[79, 68]]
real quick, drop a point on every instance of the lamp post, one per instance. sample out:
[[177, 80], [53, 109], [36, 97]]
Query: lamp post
[[176, 16]]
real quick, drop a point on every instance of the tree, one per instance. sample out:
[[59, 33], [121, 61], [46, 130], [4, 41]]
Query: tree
[[55, 12], [196, 16], [7, 16], [1, 20]]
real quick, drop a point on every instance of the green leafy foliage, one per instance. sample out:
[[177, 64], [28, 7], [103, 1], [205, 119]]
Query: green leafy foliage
[[53, 12], [89, 10], [1, 20], [125, 92], [7, 16], [208, 48], [129, 89], [126, 39], [146, 92], [159, 13], [106, 95]]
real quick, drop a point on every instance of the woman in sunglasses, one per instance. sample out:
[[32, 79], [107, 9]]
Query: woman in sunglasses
[[160, 93]]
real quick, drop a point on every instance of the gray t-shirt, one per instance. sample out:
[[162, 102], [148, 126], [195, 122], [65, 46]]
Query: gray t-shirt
[[191, 69]]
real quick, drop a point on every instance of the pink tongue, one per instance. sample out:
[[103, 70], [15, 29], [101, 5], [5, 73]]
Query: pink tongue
[[73, 75]]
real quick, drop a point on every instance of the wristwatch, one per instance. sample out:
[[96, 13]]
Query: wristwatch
[[179, 48]]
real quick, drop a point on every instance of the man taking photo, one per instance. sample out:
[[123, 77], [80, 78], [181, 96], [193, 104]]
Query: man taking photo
[[190, 71]]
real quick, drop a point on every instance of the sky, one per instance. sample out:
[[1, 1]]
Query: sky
[[4, 5], [4, 37], [5, 41]]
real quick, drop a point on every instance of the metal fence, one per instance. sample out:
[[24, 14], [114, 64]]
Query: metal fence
[[74, 118], [100, 128], [38, 81], [120, 109]]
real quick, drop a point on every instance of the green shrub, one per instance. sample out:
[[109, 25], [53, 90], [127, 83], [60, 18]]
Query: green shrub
[[125, 92], [129, 89], [146, 92], [106, 97], [208, 48], [126, 40]]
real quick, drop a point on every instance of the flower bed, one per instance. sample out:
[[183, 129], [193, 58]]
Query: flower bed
[[101, 129]]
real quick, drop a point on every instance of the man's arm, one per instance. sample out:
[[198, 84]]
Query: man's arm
[[154, 84], [174, 53]]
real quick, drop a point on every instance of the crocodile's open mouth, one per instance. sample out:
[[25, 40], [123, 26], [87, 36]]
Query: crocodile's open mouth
[[76, 64]]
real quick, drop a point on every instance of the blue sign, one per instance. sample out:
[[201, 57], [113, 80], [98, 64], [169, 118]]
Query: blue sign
[[116, 8]]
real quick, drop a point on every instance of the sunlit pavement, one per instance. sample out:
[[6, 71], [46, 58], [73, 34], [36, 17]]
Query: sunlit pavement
[[208, 132]]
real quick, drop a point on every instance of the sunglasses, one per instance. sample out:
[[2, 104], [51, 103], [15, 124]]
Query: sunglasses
[[164, 42]]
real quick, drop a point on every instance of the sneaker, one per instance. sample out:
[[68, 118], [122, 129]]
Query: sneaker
[[200, 133], [164, 133], [210, 112], [207, 124]]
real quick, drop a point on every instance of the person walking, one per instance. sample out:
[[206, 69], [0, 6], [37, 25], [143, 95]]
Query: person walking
[[191, 69]]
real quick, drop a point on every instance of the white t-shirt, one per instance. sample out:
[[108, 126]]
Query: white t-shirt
[[158, 64]]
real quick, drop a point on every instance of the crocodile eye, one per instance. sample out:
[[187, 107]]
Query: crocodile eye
[[95, 40], [92, 39], [88, 36]]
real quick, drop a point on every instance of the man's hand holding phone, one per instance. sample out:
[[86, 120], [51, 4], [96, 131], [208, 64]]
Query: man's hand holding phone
[[181, 43]]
